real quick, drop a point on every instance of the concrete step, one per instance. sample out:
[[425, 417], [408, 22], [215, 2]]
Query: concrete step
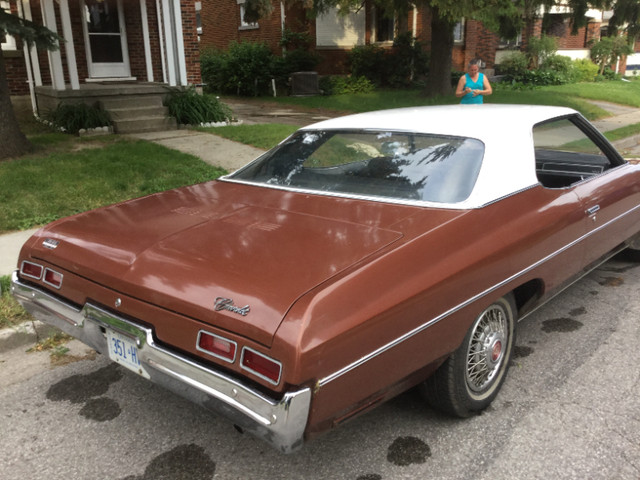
[[131, 101], [132, 113], [145, 124]]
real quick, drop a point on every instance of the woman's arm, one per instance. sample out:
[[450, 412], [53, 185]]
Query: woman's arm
[[461, 91]]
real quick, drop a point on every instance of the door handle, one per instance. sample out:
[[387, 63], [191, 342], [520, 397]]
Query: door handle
[[593, 210]]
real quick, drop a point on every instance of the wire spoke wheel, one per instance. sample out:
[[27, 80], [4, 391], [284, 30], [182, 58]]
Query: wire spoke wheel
[[486, 350], [469, 380]]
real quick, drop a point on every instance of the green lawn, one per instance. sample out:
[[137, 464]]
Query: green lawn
[[263, 136], [615, 91], [573, 95], [71, 175]]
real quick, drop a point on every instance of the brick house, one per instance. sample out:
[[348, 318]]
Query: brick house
[[114, 50], [334, 36]]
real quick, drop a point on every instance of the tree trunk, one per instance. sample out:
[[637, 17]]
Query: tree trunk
[[13, 143], [439, 80]]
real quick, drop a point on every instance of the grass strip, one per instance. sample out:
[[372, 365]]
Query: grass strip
[[37, 189], [264, 136]]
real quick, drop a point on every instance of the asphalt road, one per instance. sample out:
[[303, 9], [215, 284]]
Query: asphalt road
[[570, 409]]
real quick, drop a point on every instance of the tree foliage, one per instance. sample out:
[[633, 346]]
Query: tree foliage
[[506, 17], [608, 50]]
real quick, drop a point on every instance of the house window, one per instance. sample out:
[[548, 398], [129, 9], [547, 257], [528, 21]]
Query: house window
[[342, 31], [458, 32], [245, 25], [385, 26], [199, 17], [511, 42], [8, 42]]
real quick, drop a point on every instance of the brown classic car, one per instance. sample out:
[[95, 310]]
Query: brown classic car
[[361, 257]]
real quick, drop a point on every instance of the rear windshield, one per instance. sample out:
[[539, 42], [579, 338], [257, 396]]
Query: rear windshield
[[404, 166]]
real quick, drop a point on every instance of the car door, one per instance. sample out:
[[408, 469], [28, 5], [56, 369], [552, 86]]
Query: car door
[[573, 155]]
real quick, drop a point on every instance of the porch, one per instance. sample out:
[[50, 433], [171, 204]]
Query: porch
[[132, 106]]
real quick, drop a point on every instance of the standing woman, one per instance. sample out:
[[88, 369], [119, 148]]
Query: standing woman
[[473, 85]]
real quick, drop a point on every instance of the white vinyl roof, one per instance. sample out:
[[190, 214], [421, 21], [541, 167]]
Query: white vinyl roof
[[506, 131]]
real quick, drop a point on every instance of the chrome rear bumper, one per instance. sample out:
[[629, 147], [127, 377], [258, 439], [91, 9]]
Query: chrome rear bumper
[[279, 422]]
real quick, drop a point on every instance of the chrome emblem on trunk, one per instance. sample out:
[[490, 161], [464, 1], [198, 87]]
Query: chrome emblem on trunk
[[222, 303], [50, 243]]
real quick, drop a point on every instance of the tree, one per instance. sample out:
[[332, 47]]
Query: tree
[[503, 15], [13, 141], [608, 51], [506, 17]]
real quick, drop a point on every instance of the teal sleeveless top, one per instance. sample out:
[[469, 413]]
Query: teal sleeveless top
[[479, 85]]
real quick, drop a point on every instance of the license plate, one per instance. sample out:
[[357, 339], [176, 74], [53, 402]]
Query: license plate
[[123, 349]]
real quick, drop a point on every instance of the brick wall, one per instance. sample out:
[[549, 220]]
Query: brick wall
[[221, 25], [190, 37]]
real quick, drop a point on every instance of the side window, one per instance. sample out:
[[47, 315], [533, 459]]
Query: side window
[[565, 155]]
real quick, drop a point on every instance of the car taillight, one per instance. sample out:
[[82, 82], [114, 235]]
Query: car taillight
[[261, 365], [217, 346], [53, 278], [31, 270]]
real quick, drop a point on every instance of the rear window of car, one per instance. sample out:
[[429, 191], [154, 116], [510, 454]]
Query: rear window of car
[[396, 165]]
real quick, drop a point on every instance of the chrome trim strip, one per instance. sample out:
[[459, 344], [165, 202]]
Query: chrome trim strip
[[322, 382], [395, 201], [279, 422]]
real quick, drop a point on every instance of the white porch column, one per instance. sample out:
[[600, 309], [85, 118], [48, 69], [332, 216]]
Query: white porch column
[[24, 8], [163, 60], [25, 49], [167, 18], [179, 42], [69, 48], [55, 59], [145, 36]]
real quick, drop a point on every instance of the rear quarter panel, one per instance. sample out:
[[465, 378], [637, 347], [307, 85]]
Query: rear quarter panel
[[382, 328]]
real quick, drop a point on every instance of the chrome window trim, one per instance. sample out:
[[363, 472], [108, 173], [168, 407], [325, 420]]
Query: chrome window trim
[[200, 349], [350, 196], [329, 378]]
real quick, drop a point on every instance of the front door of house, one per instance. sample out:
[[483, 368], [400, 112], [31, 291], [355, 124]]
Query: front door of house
[[105, 39]]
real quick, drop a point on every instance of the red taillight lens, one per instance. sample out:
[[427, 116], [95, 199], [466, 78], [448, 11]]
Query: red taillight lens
[[31, 270], [217, 346], [261, 365], [52, 278]]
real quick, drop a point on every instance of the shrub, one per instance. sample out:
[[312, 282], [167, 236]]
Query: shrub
[[213, 68], [539, 49], [394, 67], [246, 68], [584, 70], [190, 108], [368, 61], [560, 64], [340, 85], [514, 65], [72, 117]]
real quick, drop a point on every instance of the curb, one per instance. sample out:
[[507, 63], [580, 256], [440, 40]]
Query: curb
[[24, 334]]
